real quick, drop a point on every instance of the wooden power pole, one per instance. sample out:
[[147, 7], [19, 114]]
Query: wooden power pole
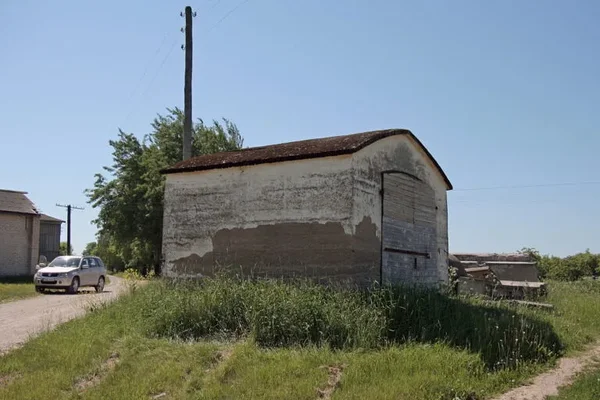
[[69, 208], [187, 90]]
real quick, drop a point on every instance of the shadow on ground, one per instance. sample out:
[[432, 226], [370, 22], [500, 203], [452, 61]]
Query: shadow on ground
[[502, 336]]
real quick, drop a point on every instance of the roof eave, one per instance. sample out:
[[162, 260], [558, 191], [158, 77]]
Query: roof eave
[[383, 135], [172, 170], [19, 212]]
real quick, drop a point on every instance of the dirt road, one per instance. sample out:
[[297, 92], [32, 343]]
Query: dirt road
[[20, 320], [547, 384]]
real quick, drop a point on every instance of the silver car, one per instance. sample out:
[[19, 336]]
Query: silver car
[[70, 273]]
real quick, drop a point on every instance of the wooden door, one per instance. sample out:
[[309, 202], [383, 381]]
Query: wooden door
[[408, 230]]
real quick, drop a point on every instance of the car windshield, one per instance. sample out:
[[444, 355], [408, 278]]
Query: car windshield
[[65, 262]]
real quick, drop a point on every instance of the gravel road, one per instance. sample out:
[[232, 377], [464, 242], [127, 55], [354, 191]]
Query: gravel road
[[22, 319]]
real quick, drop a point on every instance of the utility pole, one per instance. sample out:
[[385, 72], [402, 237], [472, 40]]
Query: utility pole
[[69, 208], [187, 89]]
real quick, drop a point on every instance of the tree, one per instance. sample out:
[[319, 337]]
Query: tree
[[63, 249], [130, 198], [570, 268], [90, 249]]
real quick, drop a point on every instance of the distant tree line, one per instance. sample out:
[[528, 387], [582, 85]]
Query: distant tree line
[[570, 268], [129, 193], [63, 249]]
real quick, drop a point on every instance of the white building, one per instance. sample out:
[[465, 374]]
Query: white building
[[364, 207]]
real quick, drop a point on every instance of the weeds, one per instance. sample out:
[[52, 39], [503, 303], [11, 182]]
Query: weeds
[[282, 314], [401, 343]]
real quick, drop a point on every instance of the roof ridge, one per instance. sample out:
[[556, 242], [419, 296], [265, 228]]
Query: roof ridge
[[13, 191]]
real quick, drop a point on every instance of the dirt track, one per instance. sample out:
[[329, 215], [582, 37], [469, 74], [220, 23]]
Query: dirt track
[[547, 384], [22, 319]]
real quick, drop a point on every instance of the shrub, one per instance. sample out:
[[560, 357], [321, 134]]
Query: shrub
[[569, 268]]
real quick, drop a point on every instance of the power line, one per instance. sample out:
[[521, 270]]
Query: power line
[[529, 186], [162, 63], [231, 11], [214, 5], [148, 65], [146, 69]]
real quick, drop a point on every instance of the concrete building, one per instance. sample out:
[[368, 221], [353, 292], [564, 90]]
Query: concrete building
[[364, 207], [20, 236]]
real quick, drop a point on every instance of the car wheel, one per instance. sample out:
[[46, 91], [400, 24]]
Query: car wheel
[[74, 286], [40, 289], [100, 286]]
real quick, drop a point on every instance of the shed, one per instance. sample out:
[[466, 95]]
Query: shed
[[19, 233], [506, 266], [357, 208], [50, 228]]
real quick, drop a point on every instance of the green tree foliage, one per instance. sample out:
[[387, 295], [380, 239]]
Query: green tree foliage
[[129, 194], [90, 249], [63, 249], [570, 268]]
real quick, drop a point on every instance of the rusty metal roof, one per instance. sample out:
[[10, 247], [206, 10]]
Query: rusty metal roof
[[13, 201], [304, 149]]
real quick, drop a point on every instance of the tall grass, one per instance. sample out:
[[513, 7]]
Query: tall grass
[[276, 313]]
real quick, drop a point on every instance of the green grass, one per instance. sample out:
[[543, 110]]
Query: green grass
[[586, 387], [277, 314], [277, 338], [16, 288]]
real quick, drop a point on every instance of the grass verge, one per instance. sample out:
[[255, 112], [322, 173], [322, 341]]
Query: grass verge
[[270, 340], [16, 288]]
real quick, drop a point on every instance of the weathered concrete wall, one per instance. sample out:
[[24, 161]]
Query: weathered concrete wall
[[402, 154], [314, 217], [283, 219], [19, 245]]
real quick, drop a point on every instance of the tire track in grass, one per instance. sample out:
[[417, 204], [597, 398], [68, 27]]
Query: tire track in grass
[[90, 380], [333, 381], [6, 380], [218, 358]]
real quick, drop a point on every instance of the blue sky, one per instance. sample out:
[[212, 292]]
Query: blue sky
[[503, 93]]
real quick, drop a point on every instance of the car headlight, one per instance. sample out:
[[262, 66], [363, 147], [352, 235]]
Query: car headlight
[[63, 275]]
